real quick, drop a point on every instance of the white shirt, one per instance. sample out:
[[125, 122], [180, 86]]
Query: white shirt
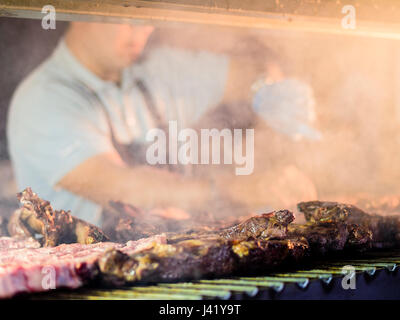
[[56, 119]]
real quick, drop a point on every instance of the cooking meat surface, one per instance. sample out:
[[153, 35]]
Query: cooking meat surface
[[326, 237], [25, 267], [131, 223], [384, 231], [260, 243], [195, 259], [333, 227], [266, 226], [246, 247], [10, 243]]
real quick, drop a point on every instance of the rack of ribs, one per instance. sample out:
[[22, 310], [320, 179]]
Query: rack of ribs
[[259, 243], [262, 242]]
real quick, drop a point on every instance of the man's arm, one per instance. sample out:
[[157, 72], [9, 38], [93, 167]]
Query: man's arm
[[104, 177]]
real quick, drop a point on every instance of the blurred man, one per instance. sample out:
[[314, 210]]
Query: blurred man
[[77, 124]]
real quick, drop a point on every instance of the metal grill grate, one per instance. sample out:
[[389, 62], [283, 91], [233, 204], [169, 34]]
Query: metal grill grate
[[321, 275]]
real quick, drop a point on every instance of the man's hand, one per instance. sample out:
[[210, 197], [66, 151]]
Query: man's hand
[[104, 178]]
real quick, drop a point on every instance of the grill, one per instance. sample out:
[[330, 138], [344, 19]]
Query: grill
[[377, 277], [376, 273]]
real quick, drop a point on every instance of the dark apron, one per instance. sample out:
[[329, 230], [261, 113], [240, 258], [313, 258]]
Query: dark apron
[[133, 154]]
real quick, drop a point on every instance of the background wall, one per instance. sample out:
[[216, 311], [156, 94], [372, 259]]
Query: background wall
[[23, 45]]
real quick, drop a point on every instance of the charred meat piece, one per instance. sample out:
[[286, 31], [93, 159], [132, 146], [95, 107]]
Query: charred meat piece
[[320, 211], [325, 237], [322, 237], [383, 230], [16, 226], [37, 217], [127, 229], [191, 235], [360, 238], [190, 259], [333, 227], [266, 226], [195, 259], [126, 222]]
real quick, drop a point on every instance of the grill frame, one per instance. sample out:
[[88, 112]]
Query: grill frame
[[375, 18]]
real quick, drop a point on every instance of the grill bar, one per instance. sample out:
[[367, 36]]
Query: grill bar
[[251, 291], [259, 283]]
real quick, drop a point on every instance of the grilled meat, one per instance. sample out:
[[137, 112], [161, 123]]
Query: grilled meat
[[322, 237], [128, 229], [130, 223], [25, 267], [260, 243], [385, 229], [266, 226], [195, 259], [16, 227], [191, 235], [247, 247], [37, 217], [360, 238], [333, 227], [11, 243], [168, 262], [319, 211], [325, 237], [127, 222]]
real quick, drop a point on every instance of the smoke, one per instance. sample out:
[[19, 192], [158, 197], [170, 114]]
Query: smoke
[[354, 83]]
